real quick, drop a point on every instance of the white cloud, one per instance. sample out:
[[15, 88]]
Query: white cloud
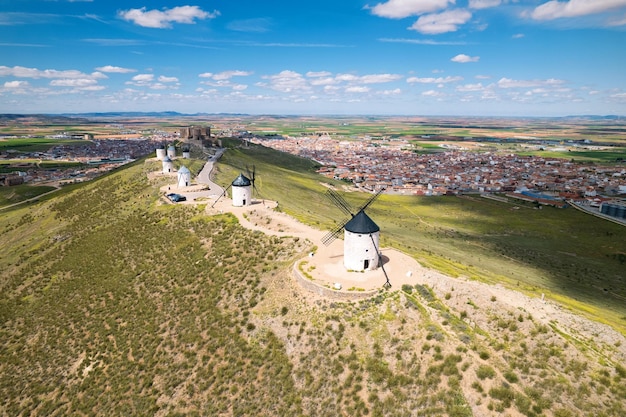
[[24, 72], [165, 79], [448, 21], [346, 77], [164, 18], [314, 74], [73, 82], [398, 9], [394, 92], [463, 59], [518, 36], [433, 80], [16, 84], [509, 83], [357, 89], [118, 70], [470, 88], [433, 93], [143, 78], [225, 75], [574, 8], [379, 78], [324, 81], [483, 4], [288, 82]]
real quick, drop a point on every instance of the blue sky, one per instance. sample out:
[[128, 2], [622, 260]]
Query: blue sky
[[395, 57]]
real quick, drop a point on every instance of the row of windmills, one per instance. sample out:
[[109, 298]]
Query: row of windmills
[[361, 235], [166, 157]]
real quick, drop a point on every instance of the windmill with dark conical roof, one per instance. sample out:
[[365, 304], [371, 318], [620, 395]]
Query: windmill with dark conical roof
[[361, 236]]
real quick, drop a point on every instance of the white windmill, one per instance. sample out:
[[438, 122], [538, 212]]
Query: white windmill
[[184, 177], [160, 152], [168, 165], [242, 188], [241, 191], [361, 236]]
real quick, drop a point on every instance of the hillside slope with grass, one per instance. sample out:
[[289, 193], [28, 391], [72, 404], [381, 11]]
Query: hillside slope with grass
[[114, 302]]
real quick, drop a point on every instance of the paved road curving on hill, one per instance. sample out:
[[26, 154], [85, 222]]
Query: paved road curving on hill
[[204, 177]]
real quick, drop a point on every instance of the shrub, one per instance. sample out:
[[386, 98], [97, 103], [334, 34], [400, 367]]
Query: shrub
[[485, 371]]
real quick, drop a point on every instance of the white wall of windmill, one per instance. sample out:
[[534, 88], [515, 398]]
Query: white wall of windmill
[[171, 151], [242, 196], [160, 153], [168, 165], [359, 252]]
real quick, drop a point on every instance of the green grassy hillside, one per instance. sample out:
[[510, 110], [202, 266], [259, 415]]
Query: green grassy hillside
[[113, 302], [563, 253]]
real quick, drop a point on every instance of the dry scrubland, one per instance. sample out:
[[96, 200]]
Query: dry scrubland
[[114, 303]]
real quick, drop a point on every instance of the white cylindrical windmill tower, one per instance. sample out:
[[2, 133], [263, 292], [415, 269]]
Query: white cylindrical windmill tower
[[186, 153], [160, 152], [360, 244], [242, 191], [184, 177], [171, 151], [168, 165]]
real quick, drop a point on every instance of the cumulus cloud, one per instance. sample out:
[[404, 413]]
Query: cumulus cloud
[[434, 80], [448, 21], [164, 79], [318, 74], [16, 84], [288, 82], [463, 59], [379, 78], [433, 93], [483, 4], [162, 19], [113, 69], [143, 78], [573, 8], [73, 82], [470, 88], [357, 89], [509, 83], [225, 75], [24, 72], [399, 9]]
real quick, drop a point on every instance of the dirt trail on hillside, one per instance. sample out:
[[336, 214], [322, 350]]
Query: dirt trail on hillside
[[457, 293]]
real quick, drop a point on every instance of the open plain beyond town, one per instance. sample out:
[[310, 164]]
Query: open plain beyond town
[[117, 301]]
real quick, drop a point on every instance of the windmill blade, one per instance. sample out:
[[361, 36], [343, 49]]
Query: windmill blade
[[371, 200], [340, 202], [387, 284], [334, 234], [221, 195]]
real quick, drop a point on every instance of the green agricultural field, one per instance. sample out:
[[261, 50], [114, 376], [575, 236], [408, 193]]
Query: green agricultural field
[[618, 155], [34, 144]]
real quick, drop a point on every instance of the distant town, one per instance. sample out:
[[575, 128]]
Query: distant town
[[399, 165]]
